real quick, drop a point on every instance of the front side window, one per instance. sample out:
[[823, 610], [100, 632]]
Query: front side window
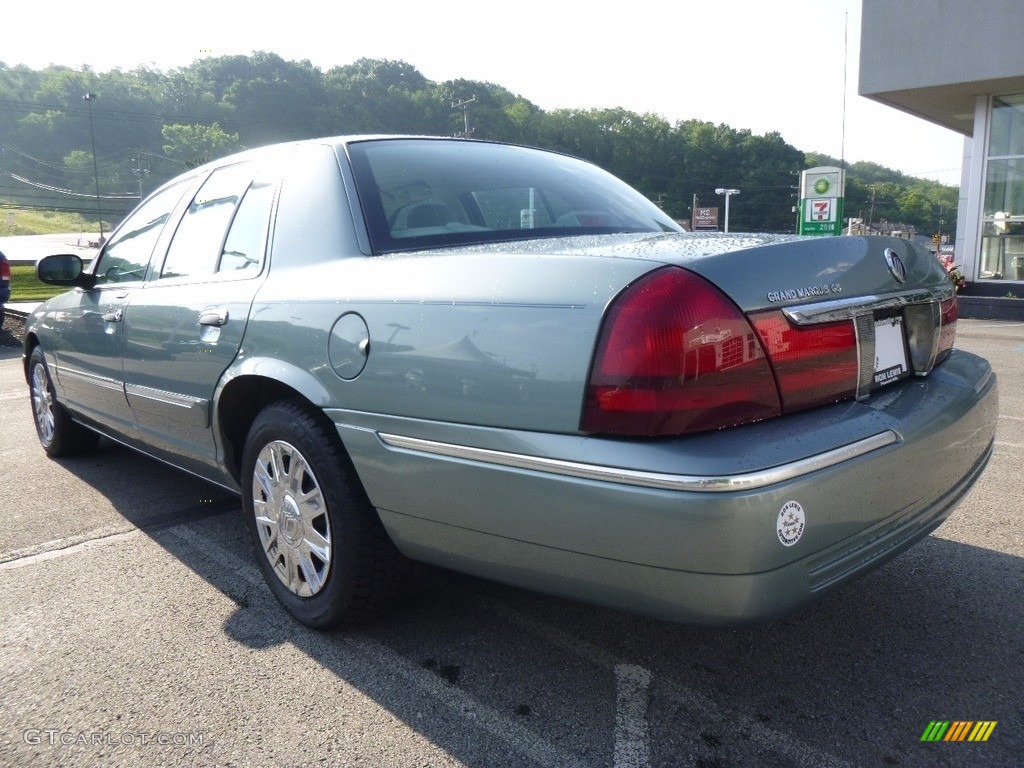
[[126, 257], [429, 193]]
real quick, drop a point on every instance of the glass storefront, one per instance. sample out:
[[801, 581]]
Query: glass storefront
[[1002, 237]]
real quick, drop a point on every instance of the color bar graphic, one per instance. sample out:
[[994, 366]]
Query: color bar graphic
[[959, 730]]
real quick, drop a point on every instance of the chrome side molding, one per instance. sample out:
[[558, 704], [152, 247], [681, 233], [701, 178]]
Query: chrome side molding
[[743, 482]]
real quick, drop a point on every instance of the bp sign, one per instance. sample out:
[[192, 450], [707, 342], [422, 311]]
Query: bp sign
[[821, 201]]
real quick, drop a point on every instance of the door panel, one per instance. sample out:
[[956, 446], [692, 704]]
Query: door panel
[[185, 327], [88, 356], [172, 361], [89, 326]]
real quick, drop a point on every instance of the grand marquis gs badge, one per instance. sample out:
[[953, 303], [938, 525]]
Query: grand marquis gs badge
[[791, 294]]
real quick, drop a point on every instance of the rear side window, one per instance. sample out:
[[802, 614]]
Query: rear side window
[[244, 247]]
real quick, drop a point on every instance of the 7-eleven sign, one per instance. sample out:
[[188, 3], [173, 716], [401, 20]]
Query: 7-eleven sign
[[820, 210]]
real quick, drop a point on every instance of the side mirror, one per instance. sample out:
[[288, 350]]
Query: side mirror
[[64, 269]]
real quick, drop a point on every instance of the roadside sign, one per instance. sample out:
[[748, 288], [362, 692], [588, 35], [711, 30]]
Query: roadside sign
[[821, 201], [705, 218]]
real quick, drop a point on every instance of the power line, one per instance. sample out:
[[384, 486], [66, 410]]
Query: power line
[[58, 190]]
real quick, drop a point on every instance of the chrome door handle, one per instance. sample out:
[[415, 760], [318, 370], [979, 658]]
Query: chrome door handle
[[217, 316]]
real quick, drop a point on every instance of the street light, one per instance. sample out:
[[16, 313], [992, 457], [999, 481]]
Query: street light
[[728, 193], [89, 98]]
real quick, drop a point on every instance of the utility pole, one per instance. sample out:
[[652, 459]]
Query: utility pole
[[796, 195], [464, 106], [89, 98], [140, 172], [871, 215]]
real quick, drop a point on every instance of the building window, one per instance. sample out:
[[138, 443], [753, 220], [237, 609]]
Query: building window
[[1002, 240]]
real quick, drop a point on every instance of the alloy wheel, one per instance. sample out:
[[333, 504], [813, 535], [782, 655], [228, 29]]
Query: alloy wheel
[[42, 404], [291, 518]]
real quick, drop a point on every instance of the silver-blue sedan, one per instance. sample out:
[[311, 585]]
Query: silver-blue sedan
[[507, 362]]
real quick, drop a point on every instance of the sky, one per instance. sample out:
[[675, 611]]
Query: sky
[[762, 65]]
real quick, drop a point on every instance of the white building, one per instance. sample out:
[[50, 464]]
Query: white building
[[961, 65]]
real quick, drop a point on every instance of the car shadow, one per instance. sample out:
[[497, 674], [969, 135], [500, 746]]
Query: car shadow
[[9, 352]]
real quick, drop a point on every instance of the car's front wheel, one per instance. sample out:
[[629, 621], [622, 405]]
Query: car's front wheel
[[58, 433], [318, 540]]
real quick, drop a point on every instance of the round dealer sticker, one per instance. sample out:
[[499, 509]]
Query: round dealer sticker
[[791, 522]]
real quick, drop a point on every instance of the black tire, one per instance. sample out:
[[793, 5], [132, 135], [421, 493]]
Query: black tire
[[58, 433], [317, 539]]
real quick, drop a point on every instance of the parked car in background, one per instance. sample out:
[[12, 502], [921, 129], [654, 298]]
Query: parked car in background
[[5, 285], [505, 361]]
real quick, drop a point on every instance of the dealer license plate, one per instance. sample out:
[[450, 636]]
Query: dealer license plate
[[890, 351]]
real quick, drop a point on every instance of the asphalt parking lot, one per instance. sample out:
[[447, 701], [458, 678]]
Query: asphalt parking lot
[[135, 630]]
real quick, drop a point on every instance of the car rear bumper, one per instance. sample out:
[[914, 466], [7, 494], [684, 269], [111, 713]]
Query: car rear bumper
[[709, 599], [686, 552]]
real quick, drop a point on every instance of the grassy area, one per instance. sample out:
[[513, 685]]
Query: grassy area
[[26, 287], [18, 221]]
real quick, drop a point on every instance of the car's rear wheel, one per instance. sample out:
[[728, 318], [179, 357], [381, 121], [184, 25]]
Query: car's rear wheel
[[318, 540], [58, 433]]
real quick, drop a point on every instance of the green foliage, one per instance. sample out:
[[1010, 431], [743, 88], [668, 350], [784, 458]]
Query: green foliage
[[34, 222], [193, 145], [25, 286], [150, 125]]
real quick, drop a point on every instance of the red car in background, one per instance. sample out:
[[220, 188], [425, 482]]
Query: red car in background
[[5, 284]]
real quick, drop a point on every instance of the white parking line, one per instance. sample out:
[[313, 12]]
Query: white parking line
[[521, 739], [57, 548], [632, 747], [710, 711]]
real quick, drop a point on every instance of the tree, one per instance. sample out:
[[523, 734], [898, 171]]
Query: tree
[[148, 121], [378, 96], [193, 145]]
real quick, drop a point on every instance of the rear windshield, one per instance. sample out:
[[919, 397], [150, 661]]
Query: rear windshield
[[431, 193]]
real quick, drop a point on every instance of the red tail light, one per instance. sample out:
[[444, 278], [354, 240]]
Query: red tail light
[[5, 270], [948, 312], [675, 355], [814, 364]]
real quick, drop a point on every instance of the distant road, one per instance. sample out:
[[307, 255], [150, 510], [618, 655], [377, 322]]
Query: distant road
[[28, 249]]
